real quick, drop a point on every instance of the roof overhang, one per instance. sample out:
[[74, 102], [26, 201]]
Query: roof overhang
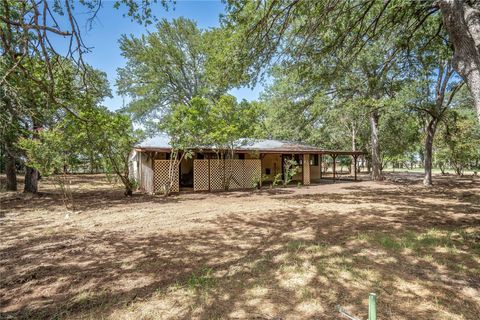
[[269, 151]]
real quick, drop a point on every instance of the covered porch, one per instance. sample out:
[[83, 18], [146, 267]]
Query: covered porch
[[313, 167], [254, 164]]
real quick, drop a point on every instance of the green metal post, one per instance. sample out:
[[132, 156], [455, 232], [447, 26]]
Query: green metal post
[[372, 307]]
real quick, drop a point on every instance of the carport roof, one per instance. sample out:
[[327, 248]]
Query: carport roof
[[162, 143]]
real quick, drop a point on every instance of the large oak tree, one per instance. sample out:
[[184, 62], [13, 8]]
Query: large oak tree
[[270, 28]]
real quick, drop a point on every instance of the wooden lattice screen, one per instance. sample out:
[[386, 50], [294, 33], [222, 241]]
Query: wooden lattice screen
[[243, 173], [306, 169], [238, 173], [160, 176], [253, 171], [201, 181], [216, 176]]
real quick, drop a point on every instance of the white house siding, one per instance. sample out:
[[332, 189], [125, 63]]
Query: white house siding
[[133, 165], [146, 173]]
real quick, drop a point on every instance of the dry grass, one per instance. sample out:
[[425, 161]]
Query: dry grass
[[293, 253]]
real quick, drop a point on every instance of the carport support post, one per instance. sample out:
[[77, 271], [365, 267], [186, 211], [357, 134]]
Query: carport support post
[[372, 306], [334, 157]]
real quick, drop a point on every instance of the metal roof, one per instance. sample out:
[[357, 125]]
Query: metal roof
[[161, 142], [277, 145]]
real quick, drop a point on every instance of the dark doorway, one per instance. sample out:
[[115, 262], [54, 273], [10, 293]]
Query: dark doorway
[[186, 173]]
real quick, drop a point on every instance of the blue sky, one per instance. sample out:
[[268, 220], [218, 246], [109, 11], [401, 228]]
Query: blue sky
[[110, 25]]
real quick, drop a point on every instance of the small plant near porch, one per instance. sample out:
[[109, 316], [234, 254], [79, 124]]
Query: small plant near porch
[[256, 183], [290, 169]]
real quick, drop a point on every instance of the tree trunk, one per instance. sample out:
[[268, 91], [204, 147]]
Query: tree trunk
[[376, 161], [458, 169], [432, 127], [128, 190], [31, 180], [462, 22], [10, 171], [442, 168], [354, 148], [32, 175]]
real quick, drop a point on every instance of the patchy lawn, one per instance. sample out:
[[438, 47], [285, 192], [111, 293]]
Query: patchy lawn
[[292, 253]]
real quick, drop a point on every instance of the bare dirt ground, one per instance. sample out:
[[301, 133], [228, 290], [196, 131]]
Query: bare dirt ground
[[293, 253]]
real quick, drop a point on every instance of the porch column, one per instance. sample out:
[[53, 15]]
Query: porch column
[[334, 158], [261, 169], [306, 169], [320, 163]]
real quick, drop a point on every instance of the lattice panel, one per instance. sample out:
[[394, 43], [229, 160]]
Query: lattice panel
[[253, 170], [216, 174], [243, 173], [306, 169], [160, 176], [201, 180], [238, 172]]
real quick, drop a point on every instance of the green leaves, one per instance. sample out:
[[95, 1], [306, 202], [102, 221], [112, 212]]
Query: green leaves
[[187, 125], [324, 31], [204, 123], [458, 140], [46, 153], [164, 68], [141, 11], [95, 135]]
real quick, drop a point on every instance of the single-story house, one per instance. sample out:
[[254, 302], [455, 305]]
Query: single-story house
[[254, 160]]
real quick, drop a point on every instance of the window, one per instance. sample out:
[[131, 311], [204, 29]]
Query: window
[[241, 156], [314, 160]]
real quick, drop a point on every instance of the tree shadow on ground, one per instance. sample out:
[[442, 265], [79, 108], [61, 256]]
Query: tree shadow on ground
[[92, 200], [298, 263]]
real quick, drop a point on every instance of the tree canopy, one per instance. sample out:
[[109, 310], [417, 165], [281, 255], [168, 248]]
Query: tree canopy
[[270, 29], [164, 68]]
